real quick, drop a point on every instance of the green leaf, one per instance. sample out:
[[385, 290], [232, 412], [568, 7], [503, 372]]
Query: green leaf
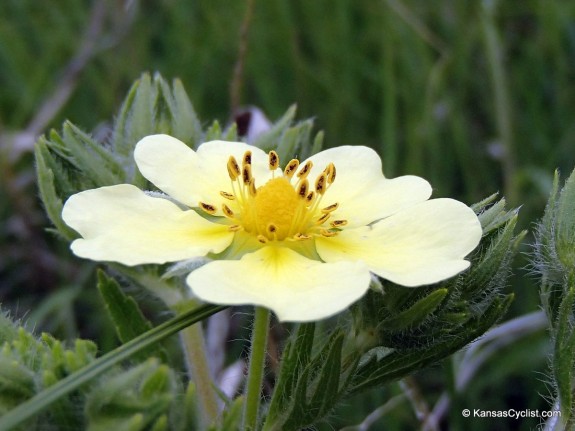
[[185, 123], [52, 202], [565, 227], [45, 398]]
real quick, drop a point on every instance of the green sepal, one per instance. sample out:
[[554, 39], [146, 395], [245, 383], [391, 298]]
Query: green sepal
[[126, 315], [565, 227], [417, 313], [376, 372], [268, 140]]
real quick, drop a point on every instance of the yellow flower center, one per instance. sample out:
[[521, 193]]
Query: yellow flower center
[[284, 208]]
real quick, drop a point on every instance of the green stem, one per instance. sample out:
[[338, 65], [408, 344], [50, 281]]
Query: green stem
[[43, 399], [257, 365], [195, 347]]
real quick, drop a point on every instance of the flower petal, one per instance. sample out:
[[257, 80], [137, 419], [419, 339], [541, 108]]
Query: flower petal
[[189, 176], [122, 224], [363, 193], [423, 244], [294, 287]]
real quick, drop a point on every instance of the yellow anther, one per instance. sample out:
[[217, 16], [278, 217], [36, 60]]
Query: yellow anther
[[210, 209], [262, 239], [247, 159], [233, 168], [274, 160], [330, 208], [330, 173], [227, 195], [323, 218], [234, 228], [327, 233], [320, 184], [304, 171], [338, 223], [302, 189], [227, 211], [247, 174], [301, 237], [291, 168]]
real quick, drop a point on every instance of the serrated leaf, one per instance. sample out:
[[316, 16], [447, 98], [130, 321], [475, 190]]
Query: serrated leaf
[[52, 202], [125, 313]]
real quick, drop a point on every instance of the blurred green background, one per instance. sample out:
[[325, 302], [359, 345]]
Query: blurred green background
[[476, 96]]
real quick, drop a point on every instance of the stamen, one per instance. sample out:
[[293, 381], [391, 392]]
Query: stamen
[[291, 168], [252, 188], [233, 168], [274, 160], [210, 209], [301, 237], [247, 159], [247, 174], [323, 218], [338, 223], [327, 233], [330, 172], [234, 228], [310, 196], [227, 195], [262, 239], [303, 188], [330, 208], [227, 211], [272, 228], [303, 173], [320, 184]]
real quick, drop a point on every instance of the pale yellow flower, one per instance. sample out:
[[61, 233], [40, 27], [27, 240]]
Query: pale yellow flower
[[300, 240]]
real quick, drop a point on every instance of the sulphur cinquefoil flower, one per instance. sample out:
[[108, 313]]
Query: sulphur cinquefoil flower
[[300, 238]]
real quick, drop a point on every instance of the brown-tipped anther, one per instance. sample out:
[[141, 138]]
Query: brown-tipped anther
[[234, 228], [303, 188], [291, 168], [272, 228], [310, 196], [330, 171], [304, 171], [323, 218], [233, 168], [247, 174], [274, 160], [338, 223], [210, 209], [320, 184], [228, 196], [227, 211], [247, 159], [327, 233], [301, 237], [330, 208], [262, 239]]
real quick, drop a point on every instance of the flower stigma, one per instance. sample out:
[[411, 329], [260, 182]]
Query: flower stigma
[[286, 207]]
